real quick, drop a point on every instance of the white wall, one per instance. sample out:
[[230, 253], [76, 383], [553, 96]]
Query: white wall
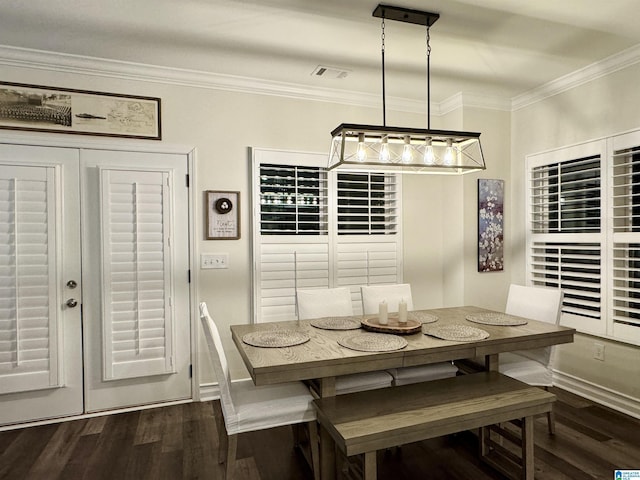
[[602, 107]]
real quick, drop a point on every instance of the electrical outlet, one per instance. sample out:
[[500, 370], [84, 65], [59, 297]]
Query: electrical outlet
[[598, 351], [214, 260]]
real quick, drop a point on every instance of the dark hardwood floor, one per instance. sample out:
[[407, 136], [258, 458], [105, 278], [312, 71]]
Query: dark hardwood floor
[[179, 442]]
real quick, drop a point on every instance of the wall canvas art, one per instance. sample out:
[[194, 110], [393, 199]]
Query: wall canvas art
[[490, 225]]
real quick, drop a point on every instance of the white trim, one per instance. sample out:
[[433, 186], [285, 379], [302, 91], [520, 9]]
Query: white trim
[[472, 100], [208, 391], [49, 421], [607, 66], [82, 65], [605, 396]]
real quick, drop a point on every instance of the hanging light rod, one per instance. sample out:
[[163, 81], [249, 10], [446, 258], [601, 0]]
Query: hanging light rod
[[357, 147]]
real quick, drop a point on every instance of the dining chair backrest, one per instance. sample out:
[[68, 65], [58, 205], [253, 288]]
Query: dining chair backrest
[[324, 302], [219, 362], [536, 303], [392, 294]]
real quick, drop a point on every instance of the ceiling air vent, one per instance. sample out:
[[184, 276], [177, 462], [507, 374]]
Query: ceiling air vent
[[329, 72]]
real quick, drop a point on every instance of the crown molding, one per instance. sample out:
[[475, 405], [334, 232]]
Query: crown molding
[[609, 65], [474, 100], [83, 65]]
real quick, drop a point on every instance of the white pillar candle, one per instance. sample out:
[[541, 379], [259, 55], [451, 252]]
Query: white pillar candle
[[383, 313], [402, 311]]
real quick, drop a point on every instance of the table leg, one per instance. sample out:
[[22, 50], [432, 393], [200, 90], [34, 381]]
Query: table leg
[[491, 362], [327, 387]]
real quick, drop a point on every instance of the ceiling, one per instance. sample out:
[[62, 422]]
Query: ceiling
[[499, 48]]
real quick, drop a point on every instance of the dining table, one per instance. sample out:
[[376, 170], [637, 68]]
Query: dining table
[[322, 358], [319, 355]]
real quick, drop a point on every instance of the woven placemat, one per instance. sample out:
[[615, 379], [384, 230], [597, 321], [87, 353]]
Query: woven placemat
[[373, 342], [336, 323], [457, 333], [275, 338], [423, 317], [501, 319]]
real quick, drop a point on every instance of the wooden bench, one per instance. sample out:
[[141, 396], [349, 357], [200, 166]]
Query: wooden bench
[[364, 422]]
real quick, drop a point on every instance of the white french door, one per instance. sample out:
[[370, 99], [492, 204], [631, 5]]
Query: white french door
[[94, 264], [136, 305], [40, 284]]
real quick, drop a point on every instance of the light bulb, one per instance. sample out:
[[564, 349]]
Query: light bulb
[[362, 148], [384, 150], [429, 157], [448, 154], [407, 155]]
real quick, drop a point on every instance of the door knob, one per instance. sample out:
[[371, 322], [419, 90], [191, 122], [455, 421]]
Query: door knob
[[72, 284], [72, 302]]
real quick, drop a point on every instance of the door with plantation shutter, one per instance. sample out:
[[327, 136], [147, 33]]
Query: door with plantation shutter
[[40, 284], [136, 309]]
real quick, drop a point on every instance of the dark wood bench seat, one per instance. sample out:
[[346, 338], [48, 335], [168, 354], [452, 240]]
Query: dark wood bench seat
[[364, 422]]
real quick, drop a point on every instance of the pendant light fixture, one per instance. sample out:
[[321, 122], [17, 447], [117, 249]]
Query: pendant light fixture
[[382, 148]]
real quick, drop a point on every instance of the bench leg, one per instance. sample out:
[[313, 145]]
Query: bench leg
[[327, 456], [370, 468]]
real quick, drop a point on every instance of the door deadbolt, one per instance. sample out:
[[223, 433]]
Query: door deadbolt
[[72, 302], [72, 284]]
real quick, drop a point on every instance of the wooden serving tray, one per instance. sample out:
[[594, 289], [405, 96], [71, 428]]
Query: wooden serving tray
[[395, 327]]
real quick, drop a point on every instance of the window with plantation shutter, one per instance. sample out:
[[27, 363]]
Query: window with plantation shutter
[[567, 232], [29, 339], [137, 310], [318, 229], [625, 281], [584, 233]]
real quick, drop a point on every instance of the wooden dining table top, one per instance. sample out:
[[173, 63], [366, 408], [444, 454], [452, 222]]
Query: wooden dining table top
[[323, 357]]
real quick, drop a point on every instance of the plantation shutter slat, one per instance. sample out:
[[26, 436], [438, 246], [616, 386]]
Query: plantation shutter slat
[[29, 317], [137, 310]]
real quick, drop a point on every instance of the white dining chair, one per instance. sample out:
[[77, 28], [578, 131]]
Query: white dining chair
[[330, 302], [392, 294], [535, 366], [372, 295], [247, 408]]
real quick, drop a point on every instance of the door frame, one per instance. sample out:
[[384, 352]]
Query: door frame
[[147, 147]]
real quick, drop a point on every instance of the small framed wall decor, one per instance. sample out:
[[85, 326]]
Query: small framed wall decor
[[223, 215]]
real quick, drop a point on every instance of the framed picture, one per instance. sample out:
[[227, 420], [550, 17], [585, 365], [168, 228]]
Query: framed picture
[[51, 109], [490, 225], [223, 215]]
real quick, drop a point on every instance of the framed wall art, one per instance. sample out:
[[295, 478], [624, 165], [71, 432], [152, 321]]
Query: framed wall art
[[490, 225], [52, 109], [223, 215]]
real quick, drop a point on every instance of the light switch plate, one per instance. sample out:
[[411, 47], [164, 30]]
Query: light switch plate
[[214, 260]]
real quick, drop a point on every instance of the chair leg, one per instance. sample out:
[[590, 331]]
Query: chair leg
[[231, 456], [223, 443]]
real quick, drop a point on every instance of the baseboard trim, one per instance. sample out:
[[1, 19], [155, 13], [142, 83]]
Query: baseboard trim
[[47, 421], [604, 396], [209, 391]]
